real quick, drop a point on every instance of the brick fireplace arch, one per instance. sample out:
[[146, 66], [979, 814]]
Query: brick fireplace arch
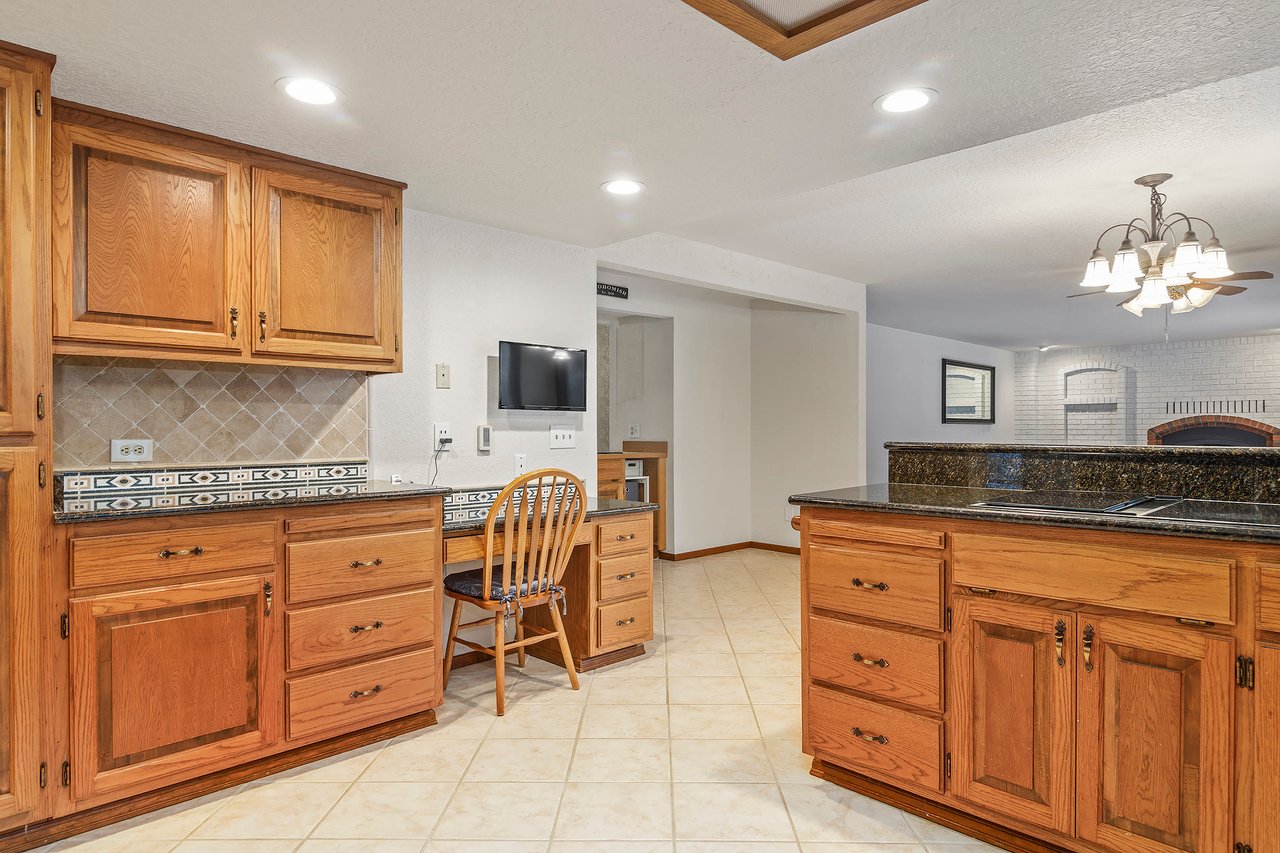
[[1271, 434]]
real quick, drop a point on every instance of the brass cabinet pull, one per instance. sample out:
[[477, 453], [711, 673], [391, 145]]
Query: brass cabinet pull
[[181, 552], [625, 537], [373, 626], [262, 327], [880, 739], [1088, 648], [622, 622], [883, 663], [235, 322], [360, 694], [981, 590], [868, 586], [269, 592], [1194, 623], [365, 564], [1059, 640], [625, 577]]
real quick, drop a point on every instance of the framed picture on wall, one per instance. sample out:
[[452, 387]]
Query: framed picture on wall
[[968, 393]]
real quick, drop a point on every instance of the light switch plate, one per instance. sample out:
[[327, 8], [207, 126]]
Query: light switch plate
[[563, 437], [633, 430], [131, 449], [442, 376]]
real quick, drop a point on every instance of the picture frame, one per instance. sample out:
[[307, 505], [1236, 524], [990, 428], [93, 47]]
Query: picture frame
[[968, 392]]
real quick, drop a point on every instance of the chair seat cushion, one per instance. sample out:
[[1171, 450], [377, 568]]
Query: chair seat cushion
[[471, 583]]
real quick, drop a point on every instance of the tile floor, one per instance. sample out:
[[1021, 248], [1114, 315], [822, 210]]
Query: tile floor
[[693, 748]]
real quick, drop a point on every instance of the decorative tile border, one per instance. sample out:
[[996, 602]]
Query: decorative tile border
[[171, 488], [463, 505]]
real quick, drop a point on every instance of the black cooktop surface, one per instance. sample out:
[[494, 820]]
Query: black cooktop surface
[[1221, 512], [1069, 501]]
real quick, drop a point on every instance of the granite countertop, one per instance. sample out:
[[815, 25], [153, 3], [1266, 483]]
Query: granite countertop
[[596, 508], [373, 490], [1234, 520], [1201, 451]]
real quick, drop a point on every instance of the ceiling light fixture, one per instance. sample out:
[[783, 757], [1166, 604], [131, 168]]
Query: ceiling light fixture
[[309, 90], [905, 100], [622, 186]]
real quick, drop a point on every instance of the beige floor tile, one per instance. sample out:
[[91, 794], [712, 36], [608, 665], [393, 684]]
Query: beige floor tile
[[737, 847], [610, 847], [520, 811], [698, 645], [790, 764], [474, 846], [631, 760], [783, 663], [386, 810], [223, 845], [695, 627], [344, 845], [720, 761], [521, 760], [117, 844], [458, 719], [525, 721], [707, 690], [628, 691], [858, 847], [713, 722], [345, 767], [932, 834], [715, 811], [626, 721], [763, 644], [773, 689], [422, 760], [615, 811], [830, 813], [970, 847], [169, 824], [651, 665], [779, 722], [279, 810], [679, 665]]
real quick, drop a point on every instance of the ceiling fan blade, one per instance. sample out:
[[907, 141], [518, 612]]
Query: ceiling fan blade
[[1230, 290], [1086, 293], [1255, 275]]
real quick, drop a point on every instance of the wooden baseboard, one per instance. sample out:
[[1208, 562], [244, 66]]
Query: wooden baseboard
[[56, 829], [724, 549], [781, 549]]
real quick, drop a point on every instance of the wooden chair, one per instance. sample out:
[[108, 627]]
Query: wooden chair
[[528, 538]]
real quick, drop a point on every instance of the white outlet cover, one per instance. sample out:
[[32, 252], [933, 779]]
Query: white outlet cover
[[131, 449], [442, 376], [633, 430], [522, 463], [439, 431]]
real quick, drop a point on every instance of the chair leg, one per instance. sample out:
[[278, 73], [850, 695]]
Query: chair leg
[[448, 648], [564, 645], [520, 636], [500, 658]]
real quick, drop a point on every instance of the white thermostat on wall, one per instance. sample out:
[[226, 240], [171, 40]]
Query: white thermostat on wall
[[484, 438]]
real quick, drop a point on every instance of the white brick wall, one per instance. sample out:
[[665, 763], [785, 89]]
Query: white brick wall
[[1113, 395]]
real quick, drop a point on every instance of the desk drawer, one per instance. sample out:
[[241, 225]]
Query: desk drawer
[[625, 623], [876, 584], [620, 577], [382, 689], [1145, 579], [885, 741], [327, 568], [625, 535], [885, 663], [337, 632], [177, 553], [1270, 616]]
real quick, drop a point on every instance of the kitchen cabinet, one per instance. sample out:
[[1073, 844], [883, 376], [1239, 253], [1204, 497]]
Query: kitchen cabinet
[[19, 246], [326, 278], [171, 682], [1013, 709], [1266, 771]]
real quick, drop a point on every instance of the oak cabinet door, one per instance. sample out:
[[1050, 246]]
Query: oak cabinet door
[[1155, 737], [20, 718], [1013, 708], [170, 683], [326, 272], [152, 243], [1266, 739], [18, 250]]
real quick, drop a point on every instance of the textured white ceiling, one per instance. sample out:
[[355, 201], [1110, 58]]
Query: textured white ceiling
[[511, 113], [984, 244]]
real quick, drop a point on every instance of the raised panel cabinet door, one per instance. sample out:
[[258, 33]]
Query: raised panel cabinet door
[[19, 267], [326, 280], [170, 683], [1154, 758], [1013, 710], [20, 718], [1266, 739], [152, 243]]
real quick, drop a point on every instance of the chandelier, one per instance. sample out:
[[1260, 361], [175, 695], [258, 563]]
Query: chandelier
[[1183, 276]]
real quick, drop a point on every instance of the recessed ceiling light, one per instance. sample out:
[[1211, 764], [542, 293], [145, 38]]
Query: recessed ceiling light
[[622, 186], [309, 90], [905, 100]]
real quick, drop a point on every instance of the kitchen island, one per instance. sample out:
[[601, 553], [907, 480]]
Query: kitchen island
[[1052, 668]]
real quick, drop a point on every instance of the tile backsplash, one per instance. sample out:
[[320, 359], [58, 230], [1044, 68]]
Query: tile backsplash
[[201, 413]]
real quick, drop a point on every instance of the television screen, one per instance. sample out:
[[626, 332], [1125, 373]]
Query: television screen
[[532, 376]]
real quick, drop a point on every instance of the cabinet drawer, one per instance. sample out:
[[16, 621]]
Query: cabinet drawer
[[177, 553], [1142, 579], [1269, 619], [883, 534], [866, 736], [880, 585], [362, 694], [886, 663], [625, 536], [625, 622], [620, 577], [352, 629], [326, 568]]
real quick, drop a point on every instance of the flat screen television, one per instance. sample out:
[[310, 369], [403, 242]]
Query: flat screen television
[[541, 378]]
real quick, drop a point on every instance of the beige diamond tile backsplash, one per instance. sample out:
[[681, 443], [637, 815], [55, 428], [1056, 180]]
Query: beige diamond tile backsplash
[[200, 413]]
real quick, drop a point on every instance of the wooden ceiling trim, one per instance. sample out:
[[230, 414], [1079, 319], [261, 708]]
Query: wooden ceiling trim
[[765, 33]]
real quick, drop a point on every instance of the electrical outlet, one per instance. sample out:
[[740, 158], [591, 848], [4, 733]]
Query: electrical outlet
[[131, 449], [396, 479], [633, 430], [563, 438], [442, 376], [522, 463], [442, 439]]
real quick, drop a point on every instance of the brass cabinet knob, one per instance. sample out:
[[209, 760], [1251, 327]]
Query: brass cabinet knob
[[365, 564], [372, 626], [883, 663], [360, 694], [880, 739], [622, 622], [181, 552], [859, 583]]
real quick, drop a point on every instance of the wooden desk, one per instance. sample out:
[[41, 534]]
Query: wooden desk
[[611, 477], [608, 588]]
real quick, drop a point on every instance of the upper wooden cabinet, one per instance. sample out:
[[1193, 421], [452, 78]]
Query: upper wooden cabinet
[[19, 263], [151, 241], [326, 270], [172, 244]]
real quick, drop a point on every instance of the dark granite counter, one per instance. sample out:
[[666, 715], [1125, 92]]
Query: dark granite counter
[[596, 508], [371, 490]]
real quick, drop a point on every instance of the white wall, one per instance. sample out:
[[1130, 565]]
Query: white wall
[[904, 393], [643, 384], [465, 288], [804, 411]]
